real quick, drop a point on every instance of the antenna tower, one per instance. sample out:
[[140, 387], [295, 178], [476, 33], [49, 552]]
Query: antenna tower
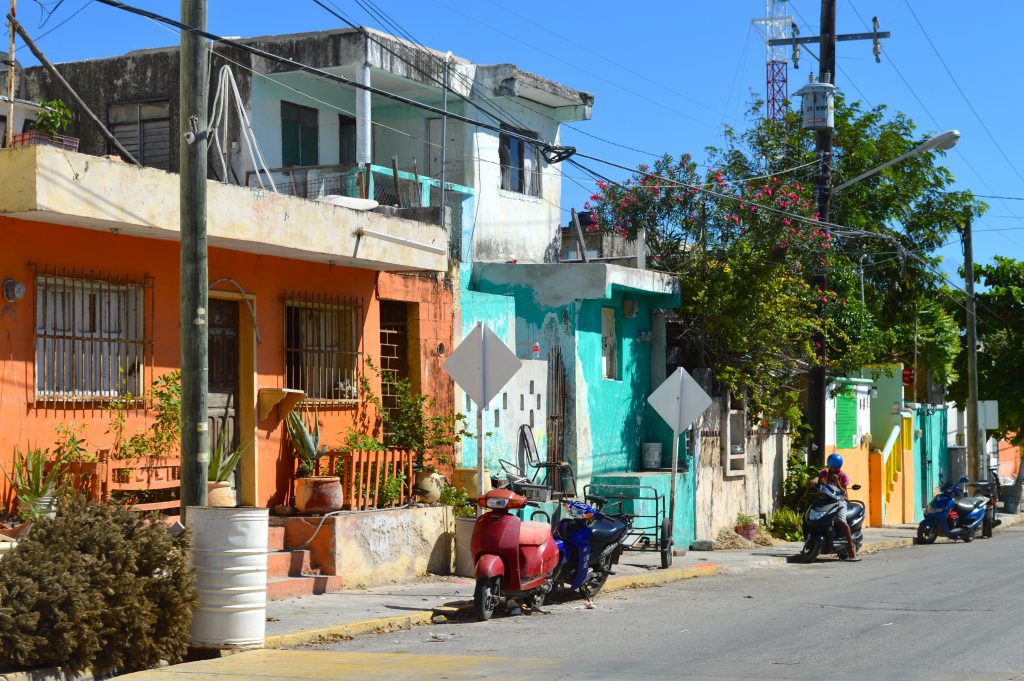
[[775, 25]]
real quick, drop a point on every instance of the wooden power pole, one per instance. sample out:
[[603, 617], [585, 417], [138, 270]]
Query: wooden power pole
[[195, 433], [9, 128], [975, 465]]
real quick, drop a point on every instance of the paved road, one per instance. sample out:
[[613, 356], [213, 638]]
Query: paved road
[[947, 611]]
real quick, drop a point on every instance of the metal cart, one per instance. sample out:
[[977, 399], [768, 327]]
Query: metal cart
[[652, 528]]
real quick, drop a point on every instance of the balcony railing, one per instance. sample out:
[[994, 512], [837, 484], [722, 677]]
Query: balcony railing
[[407, 190]]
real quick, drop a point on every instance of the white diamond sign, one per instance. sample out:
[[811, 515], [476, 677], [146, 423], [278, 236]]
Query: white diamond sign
[[679, 400], [482, 365]]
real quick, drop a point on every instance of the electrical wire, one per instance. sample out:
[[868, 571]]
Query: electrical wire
[[959, 89]]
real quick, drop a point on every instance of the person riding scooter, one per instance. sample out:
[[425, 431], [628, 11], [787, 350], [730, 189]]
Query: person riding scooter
[[833, 474]]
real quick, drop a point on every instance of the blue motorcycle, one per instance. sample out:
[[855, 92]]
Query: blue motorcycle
[[589, 543], [952, 514]]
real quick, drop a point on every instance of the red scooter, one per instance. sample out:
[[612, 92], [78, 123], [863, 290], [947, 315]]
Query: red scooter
[[514, 558]]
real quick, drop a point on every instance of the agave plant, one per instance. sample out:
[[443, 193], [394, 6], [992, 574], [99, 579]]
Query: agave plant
[[31, 481], [223, 459], [306, 441]]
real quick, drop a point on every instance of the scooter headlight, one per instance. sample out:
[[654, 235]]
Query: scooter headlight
[[497, 502]]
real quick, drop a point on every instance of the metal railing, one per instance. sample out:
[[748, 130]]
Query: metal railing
[[404, 190], [892, 466]]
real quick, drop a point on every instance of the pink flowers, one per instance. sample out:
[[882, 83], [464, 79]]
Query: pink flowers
[[786, 222]]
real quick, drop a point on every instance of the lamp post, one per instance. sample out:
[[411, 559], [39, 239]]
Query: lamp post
[[819, 383]]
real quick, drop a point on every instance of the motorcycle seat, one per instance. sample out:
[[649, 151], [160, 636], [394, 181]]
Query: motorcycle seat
[[968, 504], [854, 512], [534, 533]]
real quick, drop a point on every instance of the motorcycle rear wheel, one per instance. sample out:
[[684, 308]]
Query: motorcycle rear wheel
[[986, 526], [926, 534], [967, 537], [486, 597], [594, 585]]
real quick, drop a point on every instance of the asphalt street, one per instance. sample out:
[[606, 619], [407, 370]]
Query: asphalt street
[[946, 611]]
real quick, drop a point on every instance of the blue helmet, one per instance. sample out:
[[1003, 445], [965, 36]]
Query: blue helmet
[[834, 461]]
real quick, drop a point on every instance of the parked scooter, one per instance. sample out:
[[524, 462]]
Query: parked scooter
[[590, 544], [820, 524], [515, 559], [990, 490], [953, 514]]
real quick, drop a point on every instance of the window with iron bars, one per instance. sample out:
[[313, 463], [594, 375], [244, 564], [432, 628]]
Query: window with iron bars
[[93, 336], [322, 338]]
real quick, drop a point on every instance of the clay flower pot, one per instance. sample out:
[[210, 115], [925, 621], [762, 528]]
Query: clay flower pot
[[318, 494], [220, 494], [746, 531], [429, 484]]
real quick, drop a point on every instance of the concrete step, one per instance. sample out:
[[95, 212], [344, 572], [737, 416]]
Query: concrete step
[[275, 539], [280, 588], [288, 563]]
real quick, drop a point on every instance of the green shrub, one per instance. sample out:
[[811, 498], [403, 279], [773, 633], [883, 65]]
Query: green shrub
[[390, 489], [458, 499], [97, 588], [786, 524], [795, 487]]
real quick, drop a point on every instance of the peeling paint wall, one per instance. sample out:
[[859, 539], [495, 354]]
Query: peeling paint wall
[[719, 497]]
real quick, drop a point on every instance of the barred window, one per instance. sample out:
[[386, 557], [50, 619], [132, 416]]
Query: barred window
[[322, 335], [91, 337]]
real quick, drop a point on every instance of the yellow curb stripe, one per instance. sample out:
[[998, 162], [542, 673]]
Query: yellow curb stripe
[[349, 629]]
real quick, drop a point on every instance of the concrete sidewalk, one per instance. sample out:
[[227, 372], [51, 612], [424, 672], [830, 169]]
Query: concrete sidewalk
[[340, 615]]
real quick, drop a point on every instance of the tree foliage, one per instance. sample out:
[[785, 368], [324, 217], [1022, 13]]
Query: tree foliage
[[749, 250], [1000, 323]]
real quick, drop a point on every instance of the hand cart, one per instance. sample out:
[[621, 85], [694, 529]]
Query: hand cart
[[652, 528]]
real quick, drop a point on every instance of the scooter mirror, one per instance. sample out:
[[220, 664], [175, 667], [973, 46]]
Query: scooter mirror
[[964, 479], [855, 487]]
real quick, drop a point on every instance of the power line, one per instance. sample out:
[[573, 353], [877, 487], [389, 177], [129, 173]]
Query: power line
[[962, 94]]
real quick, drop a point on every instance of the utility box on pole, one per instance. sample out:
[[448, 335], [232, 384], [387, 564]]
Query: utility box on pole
[[818, 104]]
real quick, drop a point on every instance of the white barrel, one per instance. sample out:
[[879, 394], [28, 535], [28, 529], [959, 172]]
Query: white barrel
[[229, 553], [651, 454]]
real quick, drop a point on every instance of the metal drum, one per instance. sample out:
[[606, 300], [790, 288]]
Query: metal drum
[[229, 554]]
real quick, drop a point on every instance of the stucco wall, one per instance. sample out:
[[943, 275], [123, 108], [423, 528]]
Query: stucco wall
[[373, 548]]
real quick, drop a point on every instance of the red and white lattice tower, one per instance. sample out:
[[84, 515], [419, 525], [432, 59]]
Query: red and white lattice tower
[[775, 25]]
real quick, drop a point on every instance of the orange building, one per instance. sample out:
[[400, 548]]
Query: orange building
[[301, 294]]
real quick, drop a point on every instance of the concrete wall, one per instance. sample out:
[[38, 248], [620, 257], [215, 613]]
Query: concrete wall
[[509, 225], [720, 496], [374, 548]]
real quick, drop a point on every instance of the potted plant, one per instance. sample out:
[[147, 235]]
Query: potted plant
[[746, 526], [36, 482], [415, 424], [313, 493], [51, 122], [223, 460]]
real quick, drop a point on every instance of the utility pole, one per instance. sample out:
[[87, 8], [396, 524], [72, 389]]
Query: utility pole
[[9, 128], [974, 459], [823, 191], [194, 86]]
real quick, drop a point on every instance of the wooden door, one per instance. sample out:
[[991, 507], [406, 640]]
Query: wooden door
[[223, 374]]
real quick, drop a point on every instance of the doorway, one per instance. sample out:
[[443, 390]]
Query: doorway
[[222, 405]]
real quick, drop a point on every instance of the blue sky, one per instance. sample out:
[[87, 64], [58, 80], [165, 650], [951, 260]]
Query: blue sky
[[668, 75]]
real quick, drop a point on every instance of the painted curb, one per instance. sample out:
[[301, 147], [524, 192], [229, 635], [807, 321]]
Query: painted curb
[[348, 629]]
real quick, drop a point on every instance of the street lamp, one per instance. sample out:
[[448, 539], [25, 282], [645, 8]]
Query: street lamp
[[944, 141], [818, 388]]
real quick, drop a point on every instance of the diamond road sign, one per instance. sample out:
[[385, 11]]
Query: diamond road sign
[[482, 365], [679, 400]]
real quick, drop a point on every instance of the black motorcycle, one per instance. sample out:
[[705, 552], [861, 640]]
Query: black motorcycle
[[590, 542], [821, 536]]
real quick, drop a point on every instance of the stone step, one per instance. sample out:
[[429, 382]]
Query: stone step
[[275, 539], [288, 563], [280, 588]]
